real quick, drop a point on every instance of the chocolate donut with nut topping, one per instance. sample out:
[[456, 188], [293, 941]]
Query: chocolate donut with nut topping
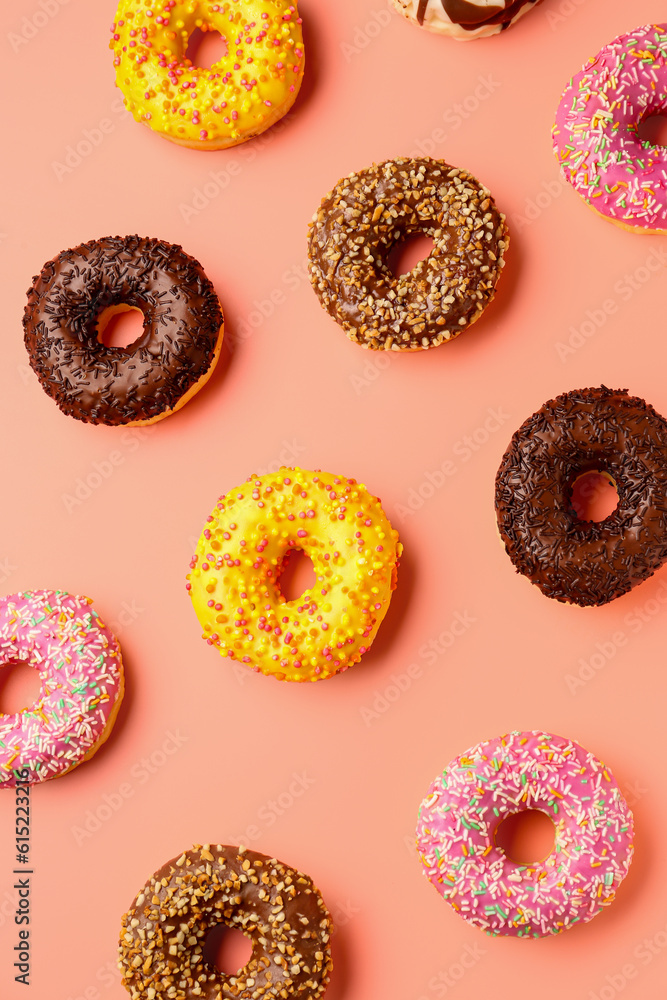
[[280, 909], [367, 214]]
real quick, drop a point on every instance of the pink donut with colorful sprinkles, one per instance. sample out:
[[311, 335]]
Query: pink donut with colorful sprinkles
[[80, 666], [465, 805], [596, 135]]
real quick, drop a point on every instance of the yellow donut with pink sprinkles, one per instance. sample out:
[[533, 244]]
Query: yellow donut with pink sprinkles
[[250, 88]]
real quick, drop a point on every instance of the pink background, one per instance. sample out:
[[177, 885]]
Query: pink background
[[291, 387]]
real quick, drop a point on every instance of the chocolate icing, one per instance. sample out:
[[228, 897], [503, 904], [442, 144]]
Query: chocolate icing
[[471, 15], [362, 219], [281, 911], [585, 562], [114, 385]]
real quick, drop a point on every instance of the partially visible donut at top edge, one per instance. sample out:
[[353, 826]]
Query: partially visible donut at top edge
[[367, 214], [76, 293], [464, 19], [246, 90], [578, 561]]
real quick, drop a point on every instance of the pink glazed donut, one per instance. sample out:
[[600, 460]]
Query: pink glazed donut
[[81, 670], [596, 138], [465, 805]]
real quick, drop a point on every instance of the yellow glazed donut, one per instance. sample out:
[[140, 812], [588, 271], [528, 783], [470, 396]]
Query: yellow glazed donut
[[249, 89], [234, 581]]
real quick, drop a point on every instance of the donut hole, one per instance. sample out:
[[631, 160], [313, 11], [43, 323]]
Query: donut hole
[[526, 837], [296, 575], [121, 327], [20, 687], [227, 949], [410, 250], [653, 129], [206, 47], [594, 496]]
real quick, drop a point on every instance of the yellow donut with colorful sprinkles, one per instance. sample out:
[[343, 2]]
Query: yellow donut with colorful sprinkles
[[234, 578], [245, 92]]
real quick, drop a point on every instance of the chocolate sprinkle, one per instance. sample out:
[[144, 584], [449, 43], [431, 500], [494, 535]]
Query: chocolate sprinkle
[[164, 933], [367, 214], [113, 385], [585, 562]]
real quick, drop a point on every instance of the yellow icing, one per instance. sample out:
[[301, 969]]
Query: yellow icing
[[234, 578], [247, 90]]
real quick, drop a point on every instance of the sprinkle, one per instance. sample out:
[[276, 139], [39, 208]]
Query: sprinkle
[[596, 134], [80, 687], [328, 632], [162, 87], [460, 814]]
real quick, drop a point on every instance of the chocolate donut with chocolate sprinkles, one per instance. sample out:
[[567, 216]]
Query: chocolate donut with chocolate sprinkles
[[282, 912], [465, 19], [76, 294], [587, 430], [367, 214]]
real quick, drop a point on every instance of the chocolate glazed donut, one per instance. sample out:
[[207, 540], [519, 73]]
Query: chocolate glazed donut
[[465, 18], [569, 559], [360, 221], [474, 15], [162, 369], [278, 908]]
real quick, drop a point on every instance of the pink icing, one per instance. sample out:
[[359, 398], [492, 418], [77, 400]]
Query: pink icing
[[79, 662], [596, 138], [525, 770]]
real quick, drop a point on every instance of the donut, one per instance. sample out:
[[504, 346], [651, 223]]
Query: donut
[[596, 135], [234, 578], [459, 817], [464, 19], [367, 214], [245, 92], [77, 293], [81, 673], [280, 909], [588, 563]]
